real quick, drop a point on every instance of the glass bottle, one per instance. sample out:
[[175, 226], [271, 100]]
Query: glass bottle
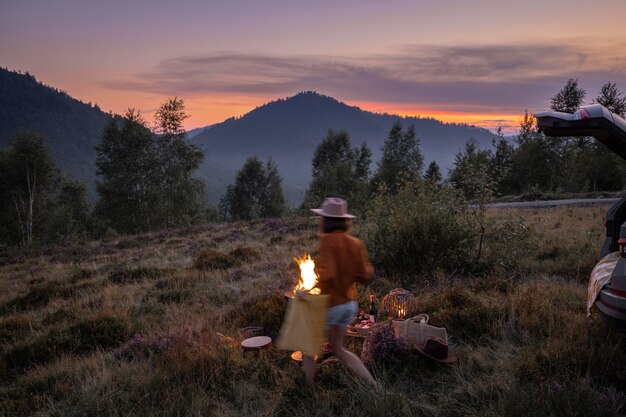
[[373, 309]]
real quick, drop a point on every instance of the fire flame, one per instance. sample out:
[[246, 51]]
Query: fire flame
[[308, 277]]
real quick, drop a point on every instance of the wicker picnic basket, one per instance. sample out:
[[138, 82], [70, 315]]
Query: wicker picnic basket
[[416, 330]]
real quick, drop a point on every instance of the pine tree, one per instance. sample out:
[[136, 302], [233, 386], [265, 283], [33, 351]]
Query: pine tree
[[339, 170], [471, 172], [401, 161], [501, 164], [536, 162], [433, 173], [273, 200], [257, 192]]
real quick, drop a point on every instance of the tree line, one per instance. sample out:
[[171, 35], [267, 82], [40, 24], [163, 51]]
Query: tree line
[[145, 174], [536, 164]]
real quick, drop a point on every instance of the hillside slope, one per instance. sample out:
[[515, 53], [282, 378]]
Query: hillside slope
[[289, 130], [72, 127]]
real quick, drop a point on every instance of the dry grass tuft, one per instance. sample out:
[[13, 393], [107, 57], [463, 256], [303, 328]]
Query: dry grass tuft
[[212, 259]]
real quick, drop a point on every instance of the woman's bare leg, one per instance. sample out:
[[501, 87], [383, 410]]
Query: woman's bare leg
[[337, 336], [308, 365]]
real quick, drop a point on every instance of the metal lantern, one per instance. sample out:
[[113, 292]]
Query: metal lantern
[[399, 304]]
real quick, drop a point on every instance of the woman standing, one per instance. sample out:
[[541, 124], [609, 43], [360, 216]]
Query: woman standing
[[342, 262]]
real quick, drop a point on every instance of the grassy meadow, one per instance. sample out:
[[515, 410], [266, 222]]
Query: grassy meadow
[[129, 326]]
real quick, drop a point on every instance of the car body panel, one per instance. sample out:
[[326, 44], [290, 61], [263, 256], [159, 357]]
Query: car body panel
[[614, 218], [612, 306]]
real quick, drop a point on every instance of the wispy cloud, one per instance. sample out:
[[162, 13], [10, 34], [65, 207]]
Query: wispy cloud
[[466, 78]]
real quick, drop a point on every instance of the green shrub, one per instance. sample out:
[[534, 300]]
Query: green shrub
[[422, 228], [509, 244]]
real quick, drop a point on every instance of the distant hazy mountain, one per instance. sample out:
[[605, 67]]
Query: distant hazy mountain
[[286, 130], [72, 127], [194, 132], [289, 130]]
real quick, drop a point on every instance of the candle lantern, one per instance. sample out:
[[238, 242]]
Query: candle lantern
[[399, 303]]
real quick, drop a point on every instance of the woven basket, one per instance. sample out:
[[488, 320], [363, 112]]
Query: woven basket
[[416, 330]]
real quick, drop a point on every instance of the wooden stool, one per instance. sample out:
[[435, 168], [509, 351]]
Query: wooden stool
[[255, 344]]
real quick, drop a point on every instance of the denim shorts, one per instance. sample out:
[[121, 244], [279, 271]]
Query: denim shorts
[[341, 315]]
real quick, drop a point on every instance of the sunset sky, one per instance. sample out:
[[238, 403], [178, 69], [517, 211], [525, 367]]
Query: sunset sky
[[480, 62]]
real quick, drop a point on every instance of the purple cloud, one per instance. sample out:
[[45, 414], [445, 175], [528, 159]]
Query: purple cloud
[[479, 78]]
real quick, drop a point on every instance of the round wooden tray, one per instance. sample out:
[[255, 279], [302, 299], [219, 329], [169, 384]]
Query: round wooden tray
[[256, 343], [360, 331]]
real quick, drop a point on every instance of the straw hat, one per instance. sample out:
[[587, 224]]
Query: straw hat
[[334, 207], [436, 349]]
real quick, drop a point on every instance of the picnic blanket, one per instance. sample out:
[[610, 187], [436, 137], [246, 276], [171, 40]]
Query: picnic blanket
[[600, 276]]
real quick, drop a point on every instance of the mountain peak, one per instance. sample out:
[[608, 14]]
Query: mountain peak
[[303, 97]]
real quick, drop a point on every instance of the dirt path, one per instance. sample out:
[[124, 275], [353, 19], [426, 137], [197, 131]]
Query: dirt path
[[555, 203]]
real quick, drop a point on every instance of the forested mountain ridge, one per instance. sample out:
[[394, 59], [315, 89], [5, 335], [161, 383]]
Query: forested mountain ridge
[[288, 130], [71, 127]]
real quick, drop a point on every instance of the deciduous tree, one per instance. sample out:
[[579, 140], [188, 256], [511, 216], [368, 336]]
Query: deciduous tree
[[146, 179], [38, 204], [612, 98], [569, 98], [128, 186], [28, 182]]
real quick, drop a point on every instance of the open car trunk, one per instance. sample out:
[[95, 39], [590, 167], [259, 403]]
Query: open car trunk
[[610, 129], [594, 120]]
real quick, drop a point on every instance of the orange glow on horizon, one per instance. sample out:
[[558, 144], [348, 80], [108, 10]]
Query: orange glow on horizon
[[509, 122], [204, 111]]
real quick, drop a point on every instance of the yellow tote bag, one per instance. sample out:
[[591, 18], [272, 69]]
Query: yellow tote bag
[[303, 326]]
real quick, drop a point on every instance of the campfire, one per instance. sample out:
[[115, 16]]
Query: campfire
[[308, 277]]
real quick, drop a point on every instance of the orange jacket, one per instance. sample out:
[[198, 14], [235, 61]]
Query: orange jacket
[[342, 261]]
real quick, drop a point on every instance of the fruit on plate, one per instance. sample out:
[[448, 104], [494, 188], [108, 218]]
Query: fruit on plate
[[364, 324]]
